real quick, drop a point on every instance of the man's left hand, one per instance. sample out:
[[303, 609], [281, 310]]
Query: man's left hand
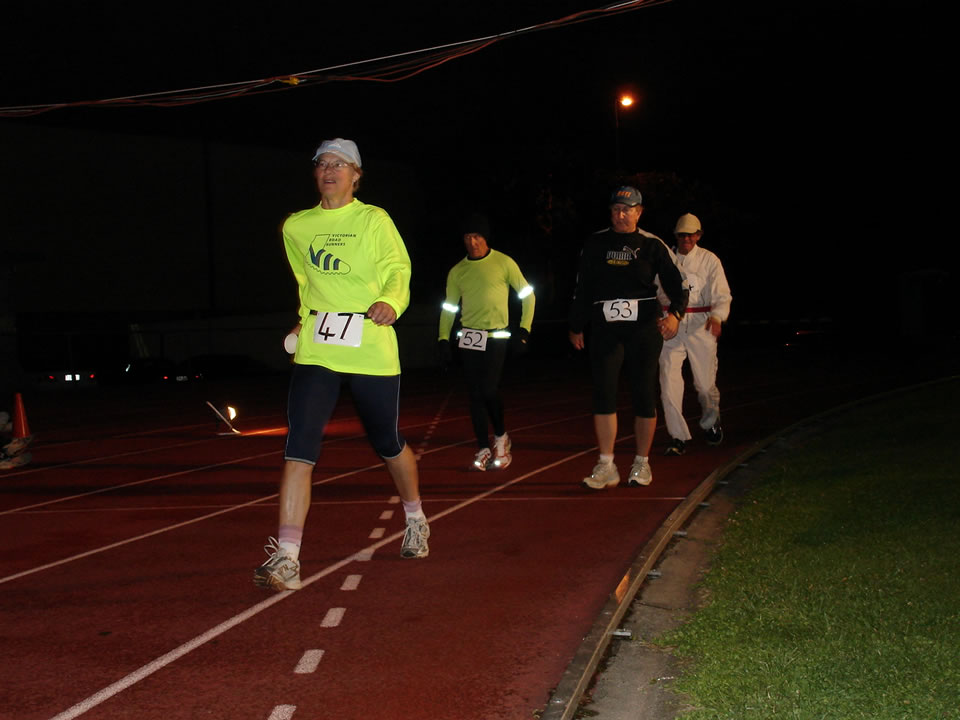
[[714, 326]]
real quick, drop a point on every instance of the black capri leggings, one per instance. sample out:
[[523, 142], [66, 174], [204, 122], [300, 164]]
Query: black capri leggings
[[639, 348], [313, 395]]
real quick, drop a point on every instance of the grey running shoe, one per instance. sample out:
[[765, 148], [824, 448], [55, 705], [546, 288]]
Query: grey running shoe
[[501, 453], [415, 539], [604, 475], [17, 445], [676, 447], [280, 571], [640, 473], [8, 462], [482, 459], [715, 434]]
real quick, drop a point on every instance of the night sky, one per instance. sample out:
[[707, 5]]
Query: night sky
[[806, 135]]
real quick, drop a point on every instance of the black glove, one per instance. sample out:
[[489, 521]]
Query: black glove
[[522, 342], [444, 355]]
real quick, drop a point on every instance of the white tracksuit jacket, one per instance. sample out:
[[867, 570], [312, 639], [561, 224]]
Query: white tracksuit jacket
[[710, 296]]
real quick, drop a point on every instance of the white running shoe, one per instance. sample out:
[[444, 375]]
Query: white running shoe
[[501, 453], [415, 539], [604, 475], [640, 473], [482, 459], [280, 571]]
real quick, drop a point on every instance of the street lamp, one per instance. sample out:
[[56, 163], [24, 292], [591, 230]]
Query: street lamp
[[624, 100]]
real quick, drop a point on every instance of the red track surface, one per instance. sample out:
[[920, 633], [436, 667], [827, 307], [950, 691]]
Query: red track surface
[[128, 548]]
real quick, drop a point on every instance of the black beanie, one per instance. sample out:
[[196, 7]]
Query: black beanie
[[476, 223]]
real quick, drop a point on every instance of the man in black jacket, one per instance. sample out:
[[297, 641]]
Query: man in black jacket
[[616, 296]]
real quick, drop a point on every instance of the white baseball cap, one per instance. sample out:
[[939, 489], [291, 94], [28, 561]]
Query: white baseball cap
[[344, 149], [688, 223]]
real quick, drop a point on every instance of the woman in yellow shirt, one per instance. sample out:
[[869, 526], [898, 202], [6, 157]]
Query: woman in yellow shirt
[[353, 274]]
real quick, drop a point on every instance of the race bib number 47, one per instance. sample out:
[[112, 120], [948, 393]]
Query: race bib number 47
[[338, 328], [620, 310], [473, 339]]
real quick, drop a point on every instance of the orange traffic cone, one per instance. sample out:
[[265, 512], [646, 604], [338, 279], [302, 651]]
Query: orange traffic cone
[[21, 431], [21, 428]]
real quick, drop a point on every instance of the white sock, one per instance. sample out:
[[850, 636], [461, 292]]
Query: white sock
[[413, 510], [640, 458], [606, 459], [290, 549]]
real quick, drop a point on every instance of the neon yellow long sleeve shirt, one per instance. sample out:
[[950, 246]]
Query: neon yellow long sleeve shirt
[[484, 287], [344, 260]]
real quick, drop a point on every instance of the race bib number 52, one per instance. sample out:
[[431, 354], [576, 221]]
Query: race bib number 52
[[473, 339], [620, 310], [338, 329]]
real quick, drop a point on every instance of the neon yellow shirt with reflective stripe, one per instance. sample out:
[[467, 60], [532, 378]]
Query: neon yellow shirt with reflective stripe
[[345, 260], [484, 287]]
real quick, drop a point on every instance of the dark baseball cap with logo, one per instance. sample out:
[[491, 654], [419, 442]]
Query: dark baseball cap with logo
[[626, 195]]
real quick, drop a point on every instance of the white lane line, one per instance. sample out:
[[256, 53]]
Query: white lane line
[[161, 662], [333, 617], [282, 712], [394, 500], [168, 528], [136, 482], [177, 653], [365, 556], [386, 514], [308, 663], [377, 533], [351, 582]]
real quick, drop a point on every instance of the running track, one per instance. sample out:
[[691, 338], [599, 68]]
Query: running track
[[129, 544]]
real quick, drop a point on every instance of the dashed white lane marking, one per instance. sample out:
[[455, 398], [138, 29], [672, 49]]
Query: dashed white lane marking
[[377, 533], [283, 712], [333, 617], [150, 668], [395, 500], [432, 427], [351, 582], [386, 514], [308, 663]]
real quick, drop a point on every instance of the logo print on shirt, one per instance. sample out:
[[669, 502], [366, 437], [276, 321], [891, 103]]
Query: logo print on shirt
[[326, 262], [621, 257]]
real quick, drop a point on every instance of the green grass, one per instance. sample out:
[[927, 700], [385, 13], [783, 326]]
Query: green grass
[[835, 592]]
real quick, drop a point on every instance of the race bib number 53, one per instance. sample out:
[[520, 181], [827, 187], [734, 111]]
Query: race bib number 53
[[620, 310], [338, 329]]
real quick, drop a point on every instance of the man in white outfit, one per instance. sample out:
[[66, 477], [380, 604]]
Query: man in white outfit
[[696, 338]]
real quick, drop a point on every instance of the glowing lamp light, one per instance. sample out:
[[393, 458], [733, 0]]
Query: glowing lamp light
[[226, 414], [626, 100]]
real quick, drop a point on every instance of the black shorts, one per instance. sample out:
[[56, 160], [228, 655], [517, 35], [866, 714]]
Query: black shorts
[[636, 345], [312, 397]]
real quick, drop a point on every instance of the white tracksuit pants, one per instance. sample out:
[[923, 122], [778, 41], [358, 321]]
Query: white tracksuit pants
[[698, 345]]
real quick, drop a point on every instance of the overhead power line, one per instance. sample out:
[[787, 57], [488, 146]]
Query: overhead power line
[[385, 69]]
